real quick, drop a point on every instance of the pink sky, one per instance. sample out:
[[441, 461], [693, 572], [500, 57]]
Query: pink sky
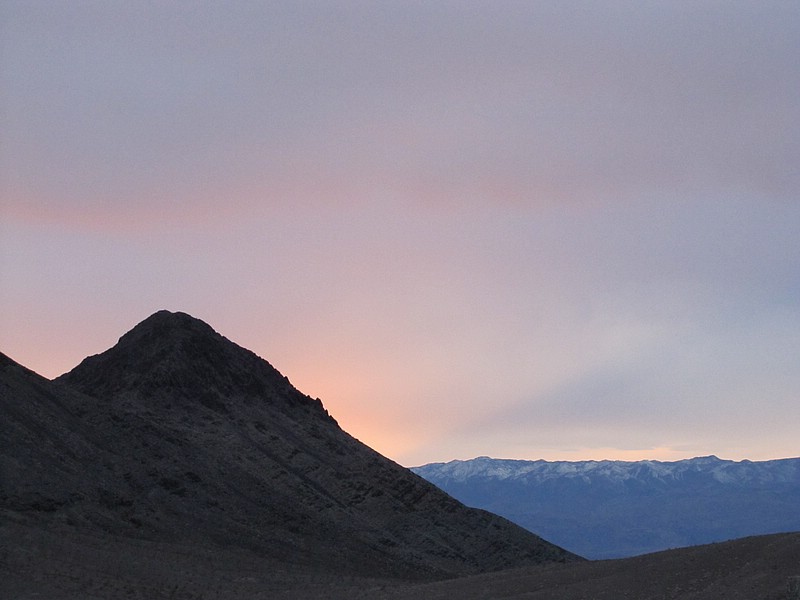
[[523, 230]]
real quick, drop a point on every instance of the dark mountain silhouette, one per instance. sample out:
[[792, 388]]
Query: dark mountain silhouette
[[179, 440]]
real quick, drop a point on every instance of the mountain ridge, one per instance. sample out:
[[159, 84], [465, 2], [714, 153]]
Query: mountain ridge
[[612, 509], [721, 469]]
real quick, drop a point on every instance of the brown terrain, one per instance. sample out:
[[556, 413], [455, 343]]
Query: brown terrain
[[180, 465]]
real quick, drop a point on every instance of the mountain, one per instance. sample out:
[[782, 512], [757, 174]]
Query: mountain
[[608, 509], [177, 446]]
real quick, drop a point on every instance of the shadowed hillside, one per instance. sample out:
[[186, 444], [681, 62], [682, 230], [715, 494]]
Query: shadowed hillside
[[762, 567], [179, 443]]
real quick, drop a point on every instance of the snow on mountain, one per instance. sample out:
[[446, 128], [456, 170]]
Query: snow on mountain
[[610, 509], [723, 471]]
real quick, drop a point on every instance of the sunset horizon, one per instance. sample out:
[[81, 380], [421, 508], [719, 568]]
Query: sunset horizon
[[532, 230]]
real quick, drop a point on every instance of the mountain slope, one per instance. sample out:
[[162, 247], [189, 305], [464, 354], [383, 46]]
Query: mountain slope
[[178, 436], [607, 509], [763, 567]]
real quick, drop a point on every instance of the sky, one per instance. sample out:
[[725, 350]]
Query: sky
[[559, 230]]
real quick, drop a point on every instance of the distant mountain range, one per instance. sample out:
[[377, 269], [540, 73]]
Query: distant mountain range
[[609, 509]]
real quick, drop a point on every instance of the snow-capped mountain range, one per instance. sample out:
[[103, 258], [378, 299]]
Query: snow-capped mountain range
[[604, 509], [723, 471]]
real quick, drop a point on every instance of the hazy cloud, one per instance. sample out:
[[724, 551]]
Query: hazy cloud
[[522, 228]]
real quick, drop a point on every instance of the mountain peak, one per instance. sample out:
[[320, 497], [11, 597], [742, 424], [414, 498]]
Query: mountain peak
[[166, 319], [163, 326], [172, 355]]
